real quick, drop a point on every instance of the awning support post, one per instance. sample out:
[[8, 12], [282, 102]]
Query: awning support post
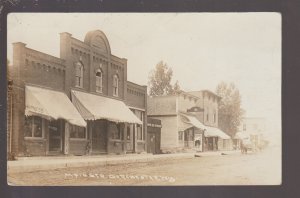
[[125, 138]]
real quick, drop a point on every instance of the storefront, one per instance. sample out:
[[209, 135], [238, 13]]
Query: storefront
[[216, 139], [153, 135], [192, 134], [50, 122], [109, 123]]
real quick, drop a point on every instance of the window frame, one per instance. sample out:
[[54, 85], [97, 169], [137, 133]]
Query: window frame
[[100, 78], [180, 135], [120, 132], [32, 131], [116, 85], [73, 138], [79, 74]]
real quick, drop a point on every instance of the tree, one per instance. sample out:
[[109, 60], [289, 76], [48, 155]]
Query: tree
[[160, 81], [230, 111]]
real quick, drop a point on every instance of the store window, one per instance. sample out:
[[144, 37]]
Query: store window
[[99, 81], [79, 75], [140, 128], [33, 127], [77, 132], [128, 133], [180, 135], [116, 131], [115, 85]]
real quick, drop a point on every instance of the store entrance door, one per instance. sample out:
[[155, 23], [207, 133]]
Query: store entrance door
[[55, 136]]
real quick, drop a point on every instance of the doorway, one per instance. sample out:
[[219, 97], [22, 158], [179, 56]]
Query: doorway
[[99, 137], [55, 136]]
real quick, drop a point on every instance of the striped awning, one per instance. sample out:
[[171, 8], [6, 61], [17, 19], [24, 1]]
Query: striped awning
[[191, 121], [51, 104], [94, 107]]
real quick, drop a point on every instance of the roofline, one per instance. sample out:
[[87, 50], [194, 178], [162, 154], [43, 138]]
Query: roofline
[[211, 92], [188, 94], [136, 84]]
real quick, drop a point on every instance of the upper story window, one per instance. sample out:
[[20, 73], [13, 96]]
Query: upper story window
[[215, 116], [79, 75], [244, 127], [115, 85], [99, 75]]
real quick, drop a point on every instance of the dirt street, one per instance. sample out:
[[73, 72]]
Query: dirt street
[[262, 168]]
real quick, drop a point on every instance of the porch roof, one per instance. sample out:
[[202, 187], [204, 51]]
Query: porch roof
[[94, 107], [51, 104], [215, 132], [190, 121]]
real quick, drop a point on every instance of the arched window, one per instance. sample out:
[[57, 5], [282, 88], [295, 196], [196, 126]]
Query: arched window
[[79, 75], [115, 85], [99, 81]]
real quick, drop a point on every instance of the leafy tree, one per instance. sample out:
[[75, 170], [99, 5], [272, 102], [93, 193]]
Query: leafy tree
[[160, 81], [230, 111]]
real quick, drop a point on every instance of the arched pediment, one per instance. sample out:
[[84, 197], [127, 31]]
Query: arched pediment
[[98, 41]]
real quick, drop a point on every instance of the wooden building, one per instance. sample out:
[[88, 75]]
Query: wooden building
[[189, 121]]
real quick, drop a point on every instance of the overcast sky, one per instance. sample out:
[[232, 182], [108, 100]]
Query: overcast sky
[[203, 49]]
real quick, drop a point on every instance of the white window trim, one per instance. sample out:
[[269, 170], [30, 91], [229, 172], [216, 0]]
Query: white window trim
[[117, 86], [79, 65], [101, 81]]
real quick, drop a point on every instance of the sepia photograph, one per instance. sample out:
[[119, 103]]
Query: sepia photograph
[[144, 99]]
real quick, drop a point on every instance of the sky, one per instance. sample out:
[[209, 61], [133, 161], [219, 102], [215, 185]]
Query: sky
[[203, 49]]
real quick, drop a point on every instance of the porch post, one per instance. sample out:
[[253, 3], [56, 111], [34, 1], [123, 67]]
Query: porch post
[[125, 138], [66, 142], [134, 137], [90, 125]]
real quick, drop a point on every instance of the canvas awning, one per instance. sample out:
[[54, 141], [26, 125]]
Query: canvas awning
[[94, 107], [51, 104], [215, 132], [192, 121]]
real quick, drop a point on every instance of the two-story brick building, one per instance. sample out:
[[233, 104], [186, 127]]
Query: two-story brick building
[[80, 103], [189, 120]]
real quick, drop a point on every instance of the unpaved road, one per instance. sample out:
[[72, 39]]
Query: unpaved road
[[262, 168]]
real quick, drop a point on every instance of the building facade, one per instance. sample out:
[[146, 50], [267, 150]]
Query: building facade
[[80, 103], [252, 128], [189, 121]]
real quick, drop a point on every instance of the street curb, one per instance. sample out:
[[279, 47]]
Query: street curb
[[19, 167], [52, 164]]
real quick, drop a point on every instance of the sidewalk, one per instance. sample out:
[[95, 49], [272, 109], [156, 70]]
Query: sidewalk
[[29, 164]]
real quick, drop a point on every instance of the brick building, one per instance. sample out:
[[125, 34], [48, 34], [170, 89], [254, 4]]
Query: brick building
[[78, 104], [189, 121]]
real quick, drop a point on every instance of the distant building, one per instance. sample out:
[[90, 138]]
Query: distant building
[[189, 121], [253, 128], [78, 104], [252, 125]]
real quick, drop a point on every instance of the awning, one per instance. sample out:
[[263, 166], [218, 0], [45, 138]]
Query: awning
[[51, 105], [192, 121], [94, 107], [215, 132]]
